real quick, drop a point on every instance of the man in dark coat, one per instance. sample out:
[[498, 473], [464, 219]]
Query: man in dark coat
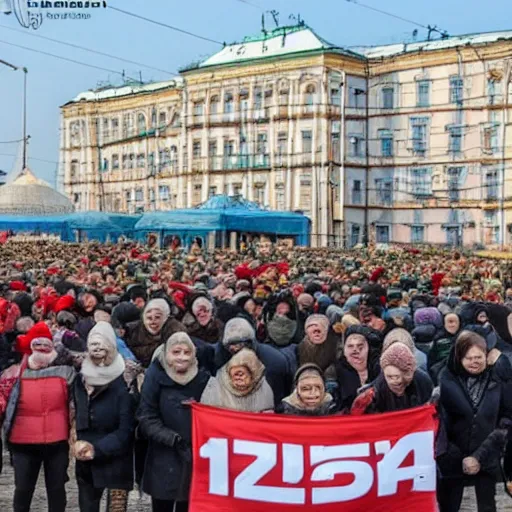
[[238, 333]]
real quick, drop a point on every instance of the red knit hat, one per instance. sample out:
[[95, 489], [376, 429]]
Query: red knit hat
[[39, 330], [377, 274], [63, 303], [17, 286], [400, 356]]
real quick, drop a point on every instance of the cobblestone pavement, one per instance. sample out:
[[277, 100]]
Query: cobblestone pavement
[[137, 504]]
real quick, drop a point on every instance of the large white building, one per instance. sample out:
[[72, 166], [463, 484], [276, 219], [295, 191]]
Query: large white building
[[404, 143]]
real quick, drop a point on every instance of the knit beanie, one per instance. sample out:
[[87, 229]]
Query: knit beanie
[[430, 315], [307, 370], [238, 330], [398, 335], [160, 304], [24, 341], [103, 333], [400, 356]]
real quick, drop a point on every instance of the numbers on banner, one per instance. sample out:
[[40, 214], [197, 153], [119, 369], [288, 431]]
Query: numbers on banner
[[327, 462]]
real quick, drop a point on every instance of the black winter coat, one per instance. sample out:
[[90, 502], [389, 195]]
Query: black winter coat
[[466, 426], [348, 379], [277, 372], [167, 424], [143, 344], [107, 421]]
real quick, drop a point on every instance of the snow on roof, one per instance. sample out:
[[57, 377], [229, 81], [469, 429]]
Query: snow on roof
[[126, 90], [373, 52], [279, 42]]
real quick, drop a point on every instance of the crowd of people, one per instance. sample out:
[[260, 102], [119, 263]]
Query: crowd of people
[[103, 347]]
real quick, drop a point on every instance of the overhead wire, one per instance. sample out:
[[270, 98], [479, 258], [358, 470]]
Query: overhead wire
[[90, 50], [74, 61], [166, 25]]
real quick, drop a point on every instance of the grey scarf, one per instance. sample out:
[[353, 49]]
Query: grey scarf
[[281, 330]]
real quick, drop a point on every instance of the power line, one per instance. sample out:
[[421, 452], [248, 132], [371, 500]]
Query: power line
[[11, 141], [251, 4], [401, 18], [67, 60], [32, 158], [72, 45], [159, 23]]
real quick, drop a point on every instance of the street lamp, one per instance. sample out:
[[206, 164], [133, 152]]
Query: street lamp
[[25, 72]]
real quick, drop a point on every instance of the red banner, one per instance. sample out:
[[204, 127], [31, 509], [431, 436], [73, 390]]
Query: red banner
[[270, 462]]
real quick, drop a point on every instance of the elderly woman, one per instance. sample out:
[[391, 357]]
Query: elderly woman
[[104, 419], [476, 412], [200, 321], [309, 397], [172, 380], [153, 330], [358, 365], [240, 385], [399, 386]]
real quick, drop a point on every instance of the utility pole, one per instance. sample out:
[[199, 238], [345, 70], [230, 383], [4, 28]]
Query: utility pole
[[25, 138]]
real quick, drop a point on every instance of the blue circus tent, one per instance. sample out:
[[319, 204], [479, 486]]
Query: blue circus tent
[[224, 214]]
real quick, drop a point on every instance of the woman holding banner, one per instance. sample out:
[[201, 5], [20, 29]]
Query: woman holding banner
[[399, 386], [309, 397], [172, 380], [476, 409]]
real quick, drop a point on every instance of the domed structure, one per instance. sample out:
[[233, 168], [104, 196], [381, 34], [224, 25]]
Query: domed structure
[[28, 195]]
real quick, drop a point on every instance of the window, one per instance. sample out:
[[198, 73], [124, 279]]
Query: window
[[131, 161], [153, 117], [165, 157], [423, 93], [151, 161], [115, 161], [335, 145], [197, 191], [214, 105], [284, 95], [386, 142], [419, 134], [212, 148], [356, 145], [421, 182], [139, 195], [128, 196], [73, 172], [141, 160], [163, 192], [355, 233], [228, 103], [309, 98], [356, 99], [382, 234], [388, 97], [141, 123], [455, 145], [336, 94], [115, 128], [307, 141], [258, 98], [174, 156], [106, 128], [196, 149], [305, 191], [125, 161], [237, 189], [198, 109], [490, 138], [282, 143], [491, 182], [280, 198], [259, 195], [384, 191], [494, 91], [212, 191], [162, 119], [456, 89], [151, 195], [417, 234], [229, 147], [261, 144], [454, 174], [357, 192]]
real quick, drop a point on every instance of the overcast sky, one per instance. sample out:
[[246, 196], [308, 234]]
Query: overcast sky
[[53, 82]]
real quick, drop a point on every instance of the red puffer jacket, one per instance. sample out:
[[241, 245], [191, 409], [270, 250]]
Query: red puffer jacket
[[41, 414]]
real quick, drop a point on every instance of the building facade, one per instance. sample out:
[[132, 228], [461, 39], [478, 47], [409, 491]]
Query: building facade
[[400, 143]]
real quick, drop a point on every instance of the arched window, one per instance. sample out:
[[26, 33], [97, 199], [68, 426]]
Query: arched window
[[153, 118], [228, 103], [141, 123]]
